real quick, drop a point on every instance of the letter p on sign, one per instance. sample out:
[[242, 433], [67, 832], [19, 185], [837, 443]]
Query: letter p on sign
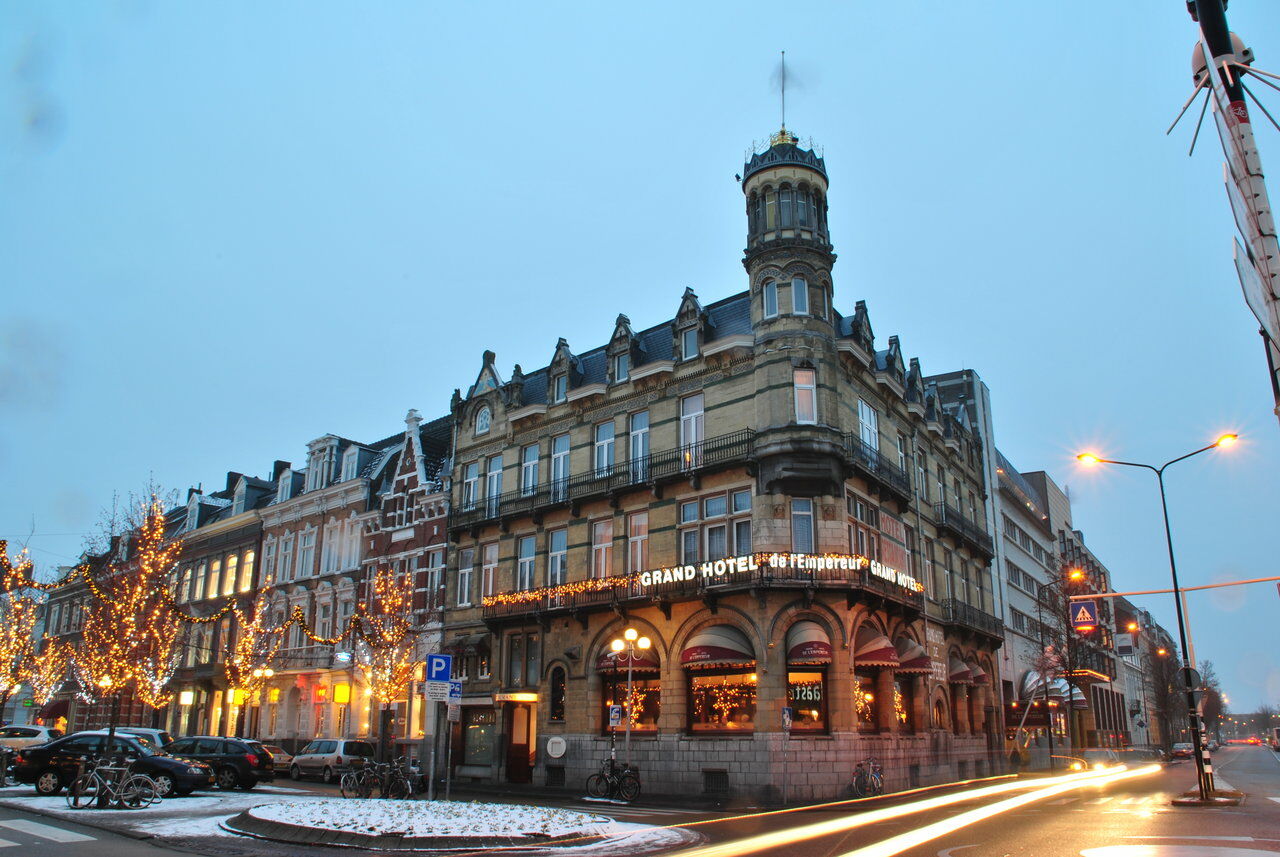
[[439, 667]]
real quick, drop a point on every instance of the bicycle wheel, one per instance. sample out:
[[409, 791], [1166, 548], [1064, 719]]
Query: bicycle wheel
[[347, 785], [860, 784], [137, 792], [877, 784], [597, 786], [84, 792], [397, 788], [628, 787]]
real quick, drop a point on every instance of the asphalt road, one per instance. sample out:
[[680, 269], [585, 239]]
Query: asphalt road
[[39, 836]]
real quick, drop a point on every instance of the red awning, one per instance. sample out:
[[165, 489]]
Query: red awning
[[874, 650], [54, 709], [808, 643], [979, 675], [912, 658], [718, 646], [610, 662], [958, 672]]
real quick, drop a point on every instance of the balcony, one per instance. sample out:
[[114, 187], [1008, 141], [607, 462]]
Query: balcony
[[958, 614], [630, 591], [949, 518], [686, 460], [868, 461]]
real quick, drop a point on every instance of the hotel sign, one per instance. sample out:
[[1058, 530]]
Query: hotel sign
[[723, 569]]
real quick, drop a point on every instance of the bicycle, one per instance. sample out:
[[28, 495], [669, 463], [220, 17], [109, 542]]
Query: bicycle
[[107, 784], [868, 779], [392, 780], [360, 782], [614, 781]]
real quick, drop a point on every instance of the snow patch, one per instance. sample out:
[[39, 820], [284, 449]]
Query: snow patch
[[434, 818]]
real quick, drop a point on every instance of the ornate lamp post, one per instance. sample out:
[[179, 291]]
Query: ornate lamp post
[[629, 642], [1204, 769]]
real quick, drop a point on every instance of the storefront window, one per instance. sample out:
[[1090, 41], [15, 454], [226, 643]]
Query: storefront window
[[902, 705], [722, 702], [864, 701], [646, 701], [480, 728], [807, 698], [557, 694]]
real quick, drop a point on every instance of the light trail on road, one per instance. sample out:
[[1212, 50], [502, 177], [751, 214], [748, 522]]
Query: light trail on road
[[790, 836], [919, 836]]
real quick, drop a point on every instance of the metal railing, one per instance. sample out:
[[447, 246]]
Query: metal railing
[[959, 613], [628, 590], [951, 518], [871, 462], [689, 458]]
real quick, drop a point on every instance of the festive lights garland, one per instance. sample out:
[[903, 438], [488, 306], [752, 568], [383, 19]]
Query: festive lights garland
[[49, 670], [385, 646]]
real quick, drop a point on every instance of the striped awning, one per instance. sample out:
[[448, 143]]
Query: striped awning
[[979, 675], [808, 643], [620, 662], [718, 646], [1032, 687], [912, 658], [958, 672], [873, 650]]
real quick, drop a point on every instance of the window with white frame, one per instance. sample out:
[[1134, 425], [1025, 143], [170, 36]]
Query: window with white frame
[[638, 541], [805, 381], [246, 571], [902, 452], [639, 445], [602, 548], [466, 571], [524, 562], [229, 577], [922, 475], [528, 470], [493, 484], [483, 418], [799, 296], [269, 559], [351, 464], [692, 428], [489, 569], [559, 389], [355, 542], [715, 526], [470, 485], [329, 547], [197, 581], [285, 487], [802, 525], [307, 553], [621, 367], [689, 343], [604, 449], [770, 299], [215, 575], [559, 466], [864, 526], [287, 570], [868, 426], [557, 557]]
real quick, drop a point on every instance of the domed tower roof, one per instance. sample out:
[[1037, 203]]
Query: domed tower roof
[[784, 150]]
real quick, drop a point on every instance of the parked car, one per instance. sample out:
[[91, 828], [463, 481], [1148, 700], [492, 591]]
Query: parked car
[[16, 737], [237, 762], [280, 757], [156, 738], [329, 757], [52, 767], [1182, 750]]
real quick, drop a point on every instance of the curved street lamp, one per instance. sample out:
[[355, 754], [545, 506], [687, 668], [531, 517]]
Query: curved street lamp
[[629, 642], [1204, 774]]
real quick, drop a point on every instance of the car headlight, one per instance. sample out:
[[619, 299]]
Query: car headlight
[[194, 770]]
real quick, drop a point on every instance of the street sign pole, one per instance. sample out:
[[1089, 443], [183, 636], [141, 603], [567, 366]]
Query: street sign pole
[[448, 765], [788, 714]]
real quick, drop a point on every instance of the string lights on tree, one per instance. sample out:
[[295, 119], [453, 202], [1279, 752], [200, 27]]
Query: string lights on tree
[[385, 645]]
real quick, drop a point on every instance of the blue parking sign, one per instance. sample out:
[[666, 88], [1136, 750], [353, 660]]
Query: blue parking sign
[[439, 667]]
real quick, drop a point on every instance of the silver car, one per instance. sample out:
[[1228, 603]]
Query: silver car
[[328, 758]]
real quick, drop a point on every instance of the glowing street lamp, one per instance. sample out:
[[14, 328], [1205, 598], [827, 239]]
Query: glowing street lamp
[[629, 642], [1204, 777]]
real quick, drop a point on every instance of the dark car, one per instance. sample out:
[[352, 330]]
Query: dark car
[[52, 767], [237, 762]]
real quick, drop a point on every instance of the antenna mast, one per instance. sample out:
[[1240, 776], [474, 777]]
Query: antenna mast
[[784, 90]]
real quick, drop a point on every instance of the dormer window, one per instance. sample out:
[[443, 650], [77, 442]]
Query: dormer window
[[621, 367], [350, 464], [559, 389], [286, 483], [689, 343], [771, 299], [799, 296], [482, 420]]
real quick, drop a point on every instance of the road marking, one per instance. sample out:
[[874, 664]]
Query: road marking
[[947, 852], [44, 831], [5, 843], [1276, 799], [1063, 802], [1100, 800], [1173, 851]]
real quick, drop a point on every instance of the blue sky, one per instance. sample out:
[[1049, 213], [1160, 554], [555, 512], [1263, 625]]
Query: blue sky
[[226, 230]]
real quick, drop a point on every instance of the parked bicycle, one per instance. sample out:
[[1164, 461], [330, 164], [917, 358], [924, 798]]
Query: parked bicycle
[[391, 780], [110, 783], [614, 781], [868, 779]]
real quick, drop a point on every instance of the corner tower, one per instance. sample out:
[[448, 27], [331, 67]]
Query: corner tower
[[788, 256]]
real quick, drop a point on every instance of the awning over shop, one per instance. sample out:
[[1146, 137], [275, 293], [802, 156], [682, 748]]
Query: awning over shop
[[873, 650], [958, 672], [912, 658], [718, 646], [467, 645], [54, 709], [1032, 687], [978, 674], [610, 662], [808, 643]]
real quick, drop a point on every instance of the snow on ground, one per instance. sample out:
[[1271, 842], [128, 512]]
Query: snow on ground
[[434, 818], [181, 810]]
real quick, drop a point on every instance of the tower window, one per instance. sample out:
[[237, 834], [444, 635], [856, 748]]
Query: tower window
[[785, 201], [689, 343], [770, 210], [799, 296], [770, 299], [802, 526], [806, 401], [802, 208]]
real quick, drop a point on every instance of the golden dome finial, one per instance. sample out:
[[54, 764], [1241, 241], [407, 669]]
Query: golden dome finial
[[783, 138]]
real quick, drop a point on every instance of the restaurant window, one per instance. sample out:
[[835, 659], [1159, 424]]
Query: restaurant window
[[903, 705], [802, 526], [807, 696], [864, 701], [723, 701], [557, 694], [646, 699], [479, 735]]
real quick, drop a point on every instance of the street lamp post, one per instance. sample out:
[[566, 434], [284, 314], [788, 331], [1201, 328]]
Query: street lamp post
[[1204, 765], [629, 642]]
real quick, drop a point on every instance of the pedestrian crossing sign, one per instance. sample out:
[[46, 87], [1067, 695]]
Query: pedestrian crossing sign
[[1084, 615]]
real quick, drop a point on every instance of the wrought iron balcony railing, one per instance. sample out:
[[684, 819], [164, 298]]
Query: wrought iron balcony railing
[[872, 463], [686, 459], [950, 518], [958, 613]]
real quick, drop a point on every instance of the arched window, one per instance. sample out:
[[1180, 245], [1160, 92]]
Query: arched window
[[770, 210], [802, 207], [770, 299], [557, 694], [787, 212], [799, 296], [808, 658], [645, 703], [482, 420], [720, 667]]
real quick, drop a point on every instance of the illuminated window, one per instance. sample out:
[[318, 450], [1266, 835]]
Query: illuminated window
[[806, 396], [722, 700], [229, 579], [646, 699], [807, 697], [557, 694]]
